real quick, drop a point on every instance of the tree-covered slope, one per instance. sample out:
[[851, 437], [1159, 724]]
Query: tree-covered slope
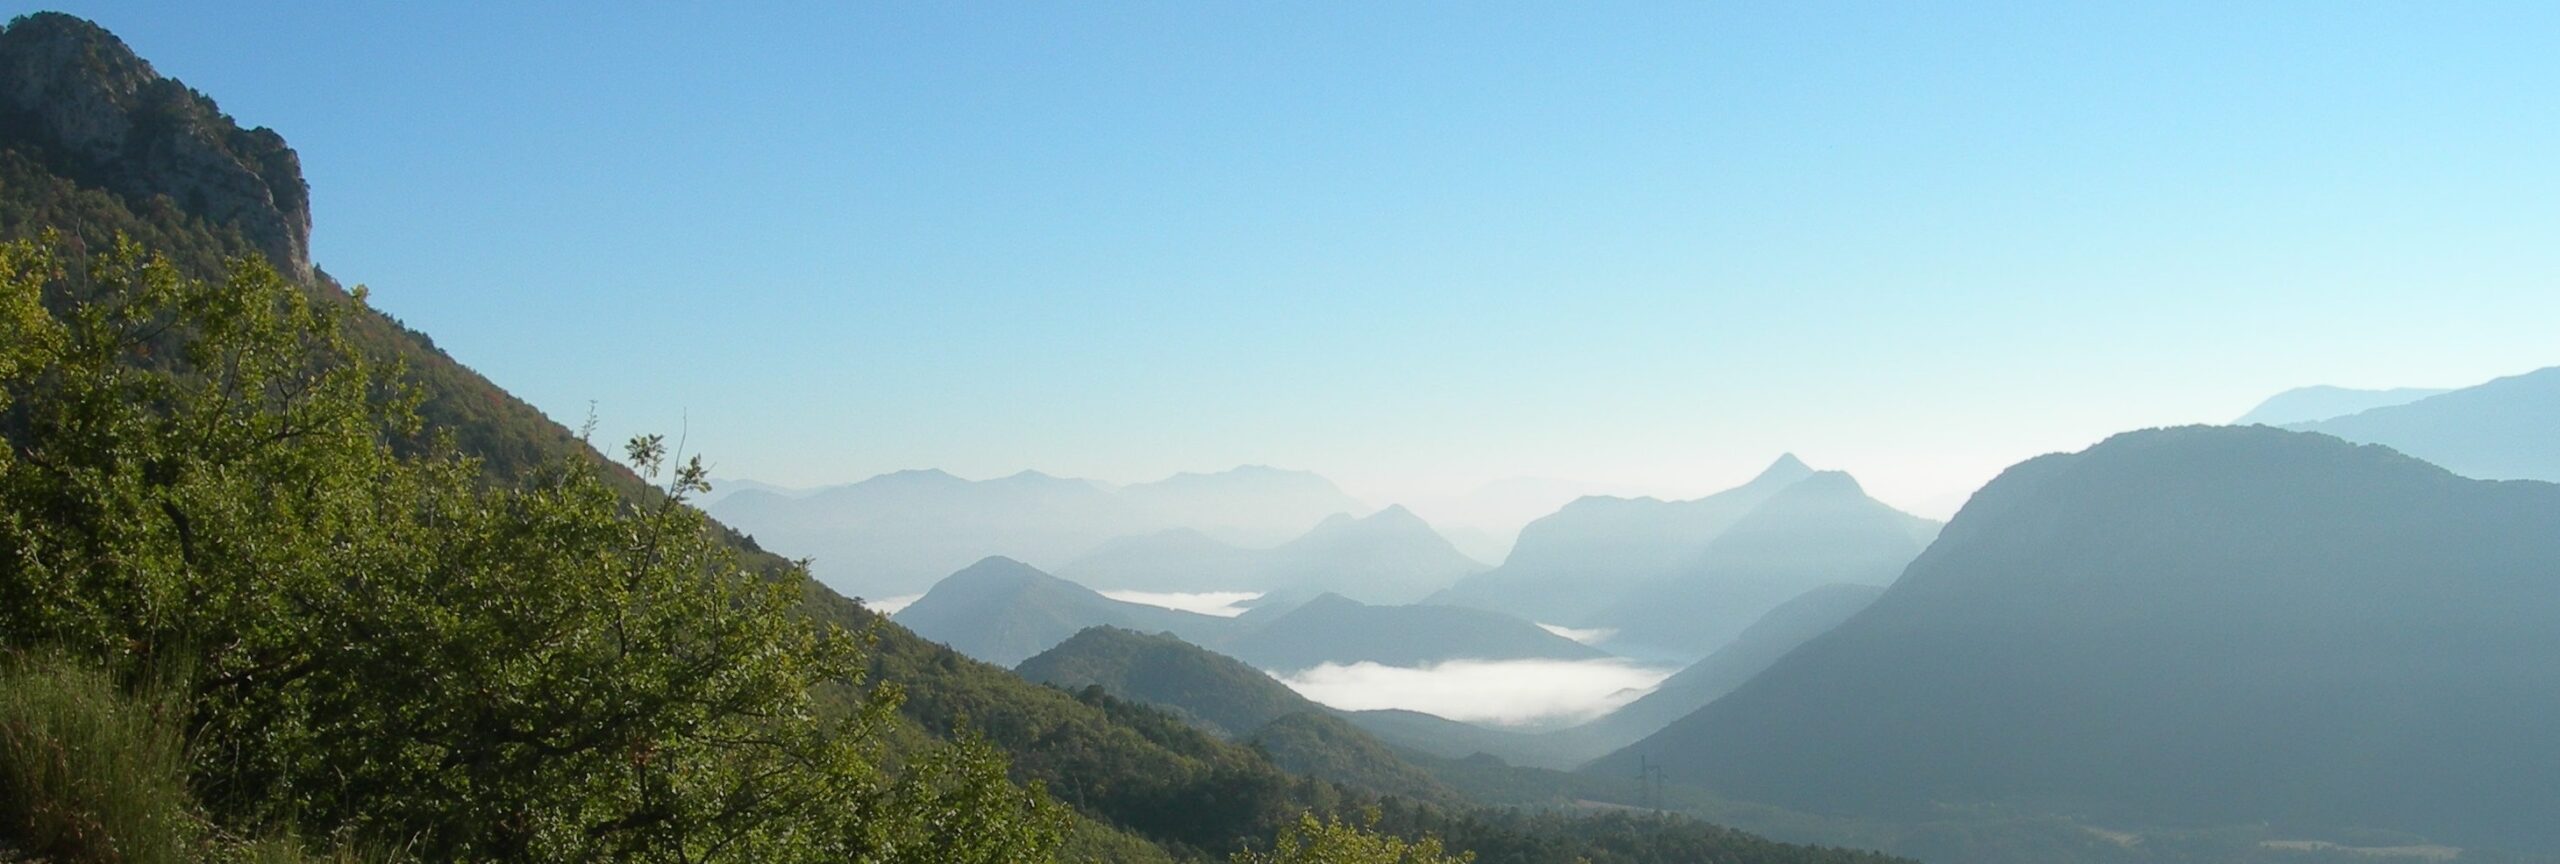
[[1217, 693], [2196, 626]]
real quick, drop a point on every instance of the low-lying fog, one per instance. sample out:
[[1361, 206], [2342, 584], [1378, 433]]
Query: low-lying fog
[[1224, 604], [1525, 694], [890, 605]]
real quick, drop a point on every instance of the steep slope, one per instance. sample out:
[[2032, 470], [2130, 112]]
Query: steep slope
[[1781, 630], [1337, 629], [75, 99], [2501, 430], [1003, 611], [1217, 693], [2197, 626], [1581, 559], [1819, 530], [2311, 404], [96, 144]]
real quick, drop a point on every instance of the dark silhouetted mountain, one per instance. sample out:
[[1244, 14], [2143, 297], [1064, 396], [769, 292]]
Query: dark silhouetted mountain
[[1003, 611], [1214, 691], [1232, 700], [898, 533], [1389, 556], [2309, 404], [1580, 560], [1820, 530], [1251, 506], [1337, 629], [2507, 429], [2199, 626], [1321, 745], [1791, 624]]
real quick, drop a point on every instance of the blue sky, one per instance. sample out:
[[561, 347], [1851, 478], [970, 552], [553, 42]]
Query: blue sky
[[1419, 246]]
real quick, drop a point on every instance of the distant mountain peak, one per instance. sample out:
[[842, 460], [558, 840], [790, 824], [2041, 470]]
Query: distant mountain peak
[[997, 568], [1784, 472]]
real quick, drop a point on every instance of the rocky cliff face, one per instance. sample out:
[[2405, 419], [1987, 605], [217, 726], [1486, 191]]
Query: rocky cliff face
[[73, 97]]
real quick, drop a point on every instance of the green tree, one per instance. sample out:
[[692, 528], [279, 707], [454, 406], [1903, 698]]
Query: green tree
[[1332, 841], [201, 483]]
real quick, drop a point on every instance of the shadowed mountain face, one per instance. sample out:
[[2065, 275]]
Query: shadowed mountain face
[[2310, 404], [1234, 701], [2507, 429], [1791, 624], [1574, 563], [2198, 626], [898, 533], [1216, 692], [1389, 556], [1820, 530]]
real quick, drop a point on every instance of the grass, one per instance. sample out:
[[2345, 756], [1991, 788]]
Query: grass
[[89, 773]]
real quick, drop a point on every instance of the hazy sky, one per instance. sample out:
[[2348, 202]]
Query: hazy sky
[[1419, 246]]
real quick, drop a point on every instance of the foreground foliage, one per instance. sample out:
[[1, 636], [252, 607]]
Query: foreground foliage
[[200, 483]]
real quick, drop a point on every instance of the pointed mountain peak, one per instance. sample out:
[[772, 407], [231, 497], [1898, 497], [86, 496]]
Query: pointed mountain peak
[[1787, 470], [997, 568], [1395, 515]]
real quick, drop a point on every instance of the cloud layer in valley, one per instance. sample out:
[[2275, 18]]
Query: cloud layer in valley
[[1515, 693], [1224, 604]]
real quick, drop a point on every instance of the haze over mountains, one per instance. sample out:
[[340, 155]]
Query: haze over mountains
[[2321, 402], [1003, 611], [2499, 430], [1678, 579], [1389, 556], [896, 534], [2198, 626]]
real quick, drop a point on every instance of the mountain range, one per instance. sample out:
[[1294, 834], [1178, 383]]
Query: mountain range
[[1676, 580], [2321, 402], [896, 534], [2201, 626], [2499, 430], [1003, 611], [1390, 556]]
